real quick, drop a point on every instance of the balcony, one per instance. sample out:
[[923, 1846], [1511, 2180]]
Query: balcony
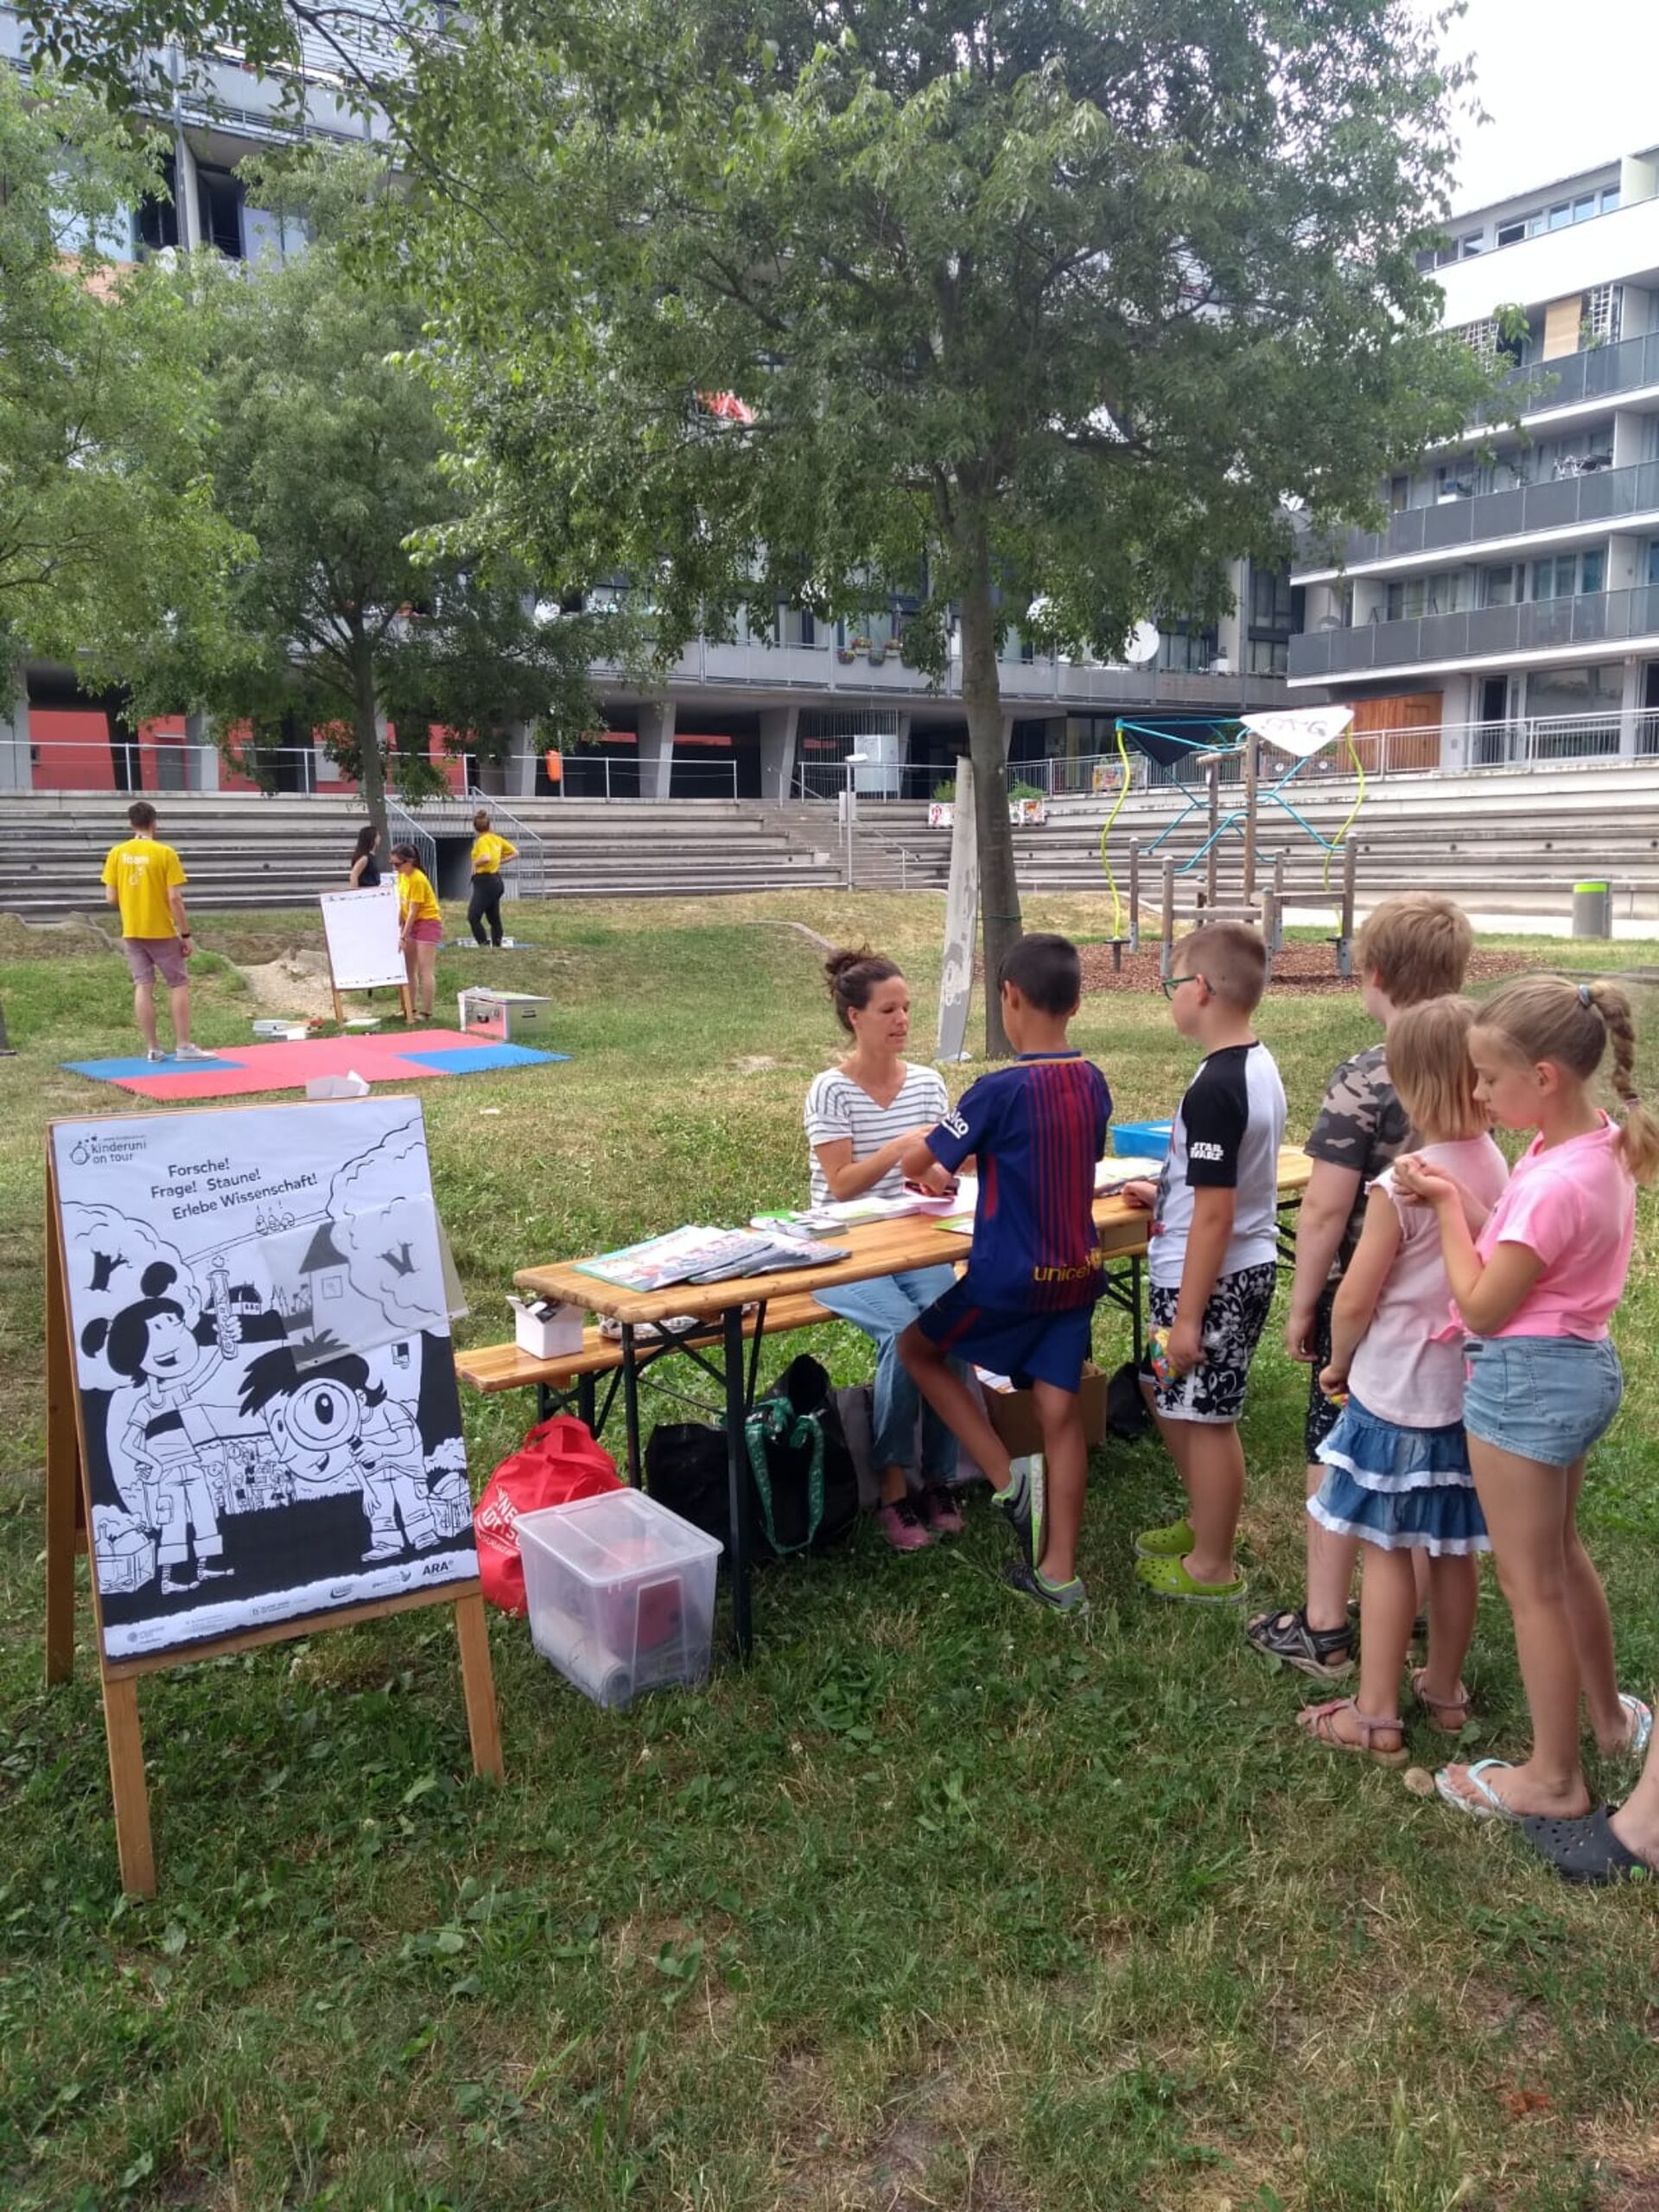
[[1599, 372], [798, 670], [1611, 618], [1607, 495]]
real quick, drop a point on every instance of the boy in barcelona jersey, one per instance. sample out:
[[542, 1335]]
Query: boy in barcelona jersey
[[1026, 1306]]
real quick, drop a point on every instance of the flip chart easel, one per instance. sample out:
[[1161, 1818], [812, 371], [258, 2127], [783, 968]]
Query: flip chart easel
[[359, 929], [68, 1511]]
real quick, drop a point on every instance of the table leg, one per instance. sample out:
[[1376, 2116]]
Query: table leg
[[585, 1403], [737, 1480], [630, 1406], [1137, 1307]]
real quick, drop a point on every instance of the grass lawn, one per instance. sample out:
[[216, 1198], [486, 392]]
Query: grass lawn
[[936, 1904]]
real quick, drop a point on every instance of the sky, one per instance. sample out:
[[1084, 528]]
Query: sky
[[1567, 84]]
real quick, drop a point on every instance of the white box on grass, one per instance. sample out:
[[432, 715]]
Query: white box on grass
[[620, 1593], [545, 1329], [507, 1015]]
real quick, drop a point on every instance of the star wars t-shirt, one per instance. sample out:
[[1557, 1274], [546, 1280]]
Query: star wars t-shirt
[[1226, 1136]]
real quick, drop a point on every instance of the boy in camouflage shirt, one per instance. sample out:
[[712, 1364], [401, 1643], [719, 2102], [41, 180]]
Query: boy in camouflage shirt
[[1408, 949]]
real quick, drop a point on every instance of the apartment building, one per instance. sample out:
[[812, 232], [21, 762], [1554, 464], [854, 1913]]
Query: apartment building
[[1509, 609], [776, 710]]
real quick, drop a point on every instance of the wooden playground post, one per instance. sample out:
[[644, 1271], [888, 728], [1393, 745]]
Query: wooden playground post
[[1345, 921], [1135, 895], [1251, 748], [1212, 781], [1273, 914], [1169, 919]]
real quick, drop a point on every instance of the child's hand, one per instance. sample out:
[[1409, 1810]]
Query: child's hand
[[1141, 1196], [936, 1178], [1300, 1323], [1420, 1178], [1183, 1347], [1333, 1380]]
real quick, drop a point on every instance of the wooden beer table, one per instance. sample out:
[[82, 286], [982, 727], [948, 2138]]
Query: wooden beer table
[[715, 1312]]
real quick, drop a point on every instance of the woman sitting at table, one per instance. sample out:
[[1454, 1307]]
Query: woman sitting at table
[[860, 1116]]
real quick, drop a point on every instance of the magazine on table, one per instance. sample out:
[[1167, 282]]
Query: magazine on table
[[701, 1253]]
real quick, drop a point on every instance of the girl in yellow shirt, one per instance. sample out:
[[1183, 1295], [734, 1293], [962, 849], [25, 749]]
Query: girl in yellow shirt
[[490, 853], [420, 920]]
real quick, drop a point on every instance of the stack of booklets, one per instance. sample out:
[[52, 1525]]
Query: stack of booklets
[[699, 1252]]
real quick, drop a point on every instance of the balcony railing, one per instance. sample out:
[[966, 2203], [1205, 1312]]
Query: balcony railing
[[1599, 372], [1591, 618], [1602, 495], [829, 669]]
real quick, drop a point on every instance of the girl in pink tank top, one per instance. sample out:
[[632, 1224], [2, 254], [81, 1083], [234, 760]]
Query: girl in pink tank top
[[1397, 1473], [1534, 1280]]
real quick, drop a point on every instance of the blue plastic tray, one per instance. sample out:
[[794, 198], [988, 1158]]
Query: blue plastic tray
[[1141, 1140]]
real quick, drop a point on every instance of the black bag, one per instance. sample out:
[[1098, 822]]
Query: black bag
[[805, 1483], [685, 1470], [803, 1488], [1127, 1414]]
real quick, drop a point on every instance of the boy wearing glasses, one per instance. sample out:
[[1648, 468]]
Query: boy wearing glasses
[[1213, 1257]]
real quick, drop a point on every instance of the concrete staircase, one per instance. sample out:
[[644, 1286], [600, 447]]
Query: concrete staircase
[[1509, 842], [1502, 840], [280, 852]]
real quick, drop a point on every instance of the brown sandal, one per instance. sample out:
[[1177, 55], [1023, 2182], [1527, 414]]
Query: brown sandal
[[1318, 1723], [1434, 1707]]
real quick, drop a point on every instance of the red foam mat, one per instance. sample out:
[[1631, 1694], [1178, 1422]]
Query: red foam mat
[[377, 1056]]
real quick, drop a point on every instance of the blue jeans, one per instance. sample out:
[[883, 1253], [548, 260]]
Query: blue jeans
[[884, 1308]]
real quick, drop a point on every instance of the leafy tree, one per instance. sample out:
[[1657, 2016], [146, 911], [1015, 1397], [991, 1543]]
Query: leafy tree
[[106, 526], [1053, 306], [329, 460]]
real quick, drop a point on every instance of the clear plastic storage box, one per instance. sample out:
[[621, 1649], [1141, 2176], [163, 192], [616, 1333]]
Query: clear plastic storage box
[[621, 1593]]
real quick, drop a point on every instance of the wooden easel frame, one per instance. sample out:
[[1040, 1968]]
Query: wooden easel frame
[[405, 995], [68, 1519]]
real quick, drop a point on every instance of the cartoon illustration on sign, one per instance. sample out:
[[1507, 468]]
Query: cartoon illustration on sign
[[269, 1413]]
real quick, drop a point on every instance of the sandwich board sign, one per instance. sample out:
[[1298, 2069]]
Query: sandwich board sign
[[252, 1418]]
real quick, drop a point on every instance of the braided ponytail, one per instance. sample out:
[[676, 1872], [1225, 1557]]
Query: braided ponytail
[[1639, 1136], [1547, 1018]]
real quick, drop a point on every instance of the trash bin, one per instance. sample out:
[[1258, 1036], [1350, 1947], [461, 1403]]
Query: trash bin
[[1593, 910]]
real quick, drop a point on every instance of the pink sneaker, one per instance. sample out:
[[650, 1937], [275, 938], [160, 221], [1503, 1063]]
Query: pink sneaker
[[940, 1512], [901, 1525]]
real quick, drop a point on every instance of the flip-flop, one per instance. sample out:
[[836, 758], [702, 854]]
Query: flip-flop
[[1318, 1724], [1585, 1850], [1485, 1804], [1641, 1726], [1168, 1578]]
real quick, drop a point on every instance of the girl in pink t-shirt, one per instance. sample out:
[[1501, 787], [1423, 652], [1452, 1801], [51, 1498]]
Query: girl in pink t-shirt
[[1396, 1463], [1534, 1281]]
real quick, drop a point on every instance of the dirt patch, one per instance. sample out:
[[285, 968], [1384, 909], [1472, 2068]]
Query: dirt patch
[[297, 984], [1301, 968]]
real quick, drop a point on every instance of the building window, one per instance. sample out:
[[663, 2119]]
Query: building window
[[1504, 586], [1408, 598], [155, 226], [1609, 199], [1512, 233], [1269, 656], [1185, 648], [1653, 562], [1470, 247], [1570, 574], [218, 201]]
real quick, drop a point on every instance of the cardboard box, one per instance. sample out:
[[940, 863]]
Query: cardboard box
[[544, 1330], [513, 1017], [1013, 1413]]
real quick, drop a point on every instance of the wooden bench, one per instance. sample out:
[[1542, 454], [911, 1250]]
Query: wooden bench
[[568, 1375]]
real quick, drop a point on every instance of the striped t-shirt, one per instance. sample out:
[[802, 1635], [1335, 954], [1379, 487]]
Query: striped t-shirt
[[837, 1106]]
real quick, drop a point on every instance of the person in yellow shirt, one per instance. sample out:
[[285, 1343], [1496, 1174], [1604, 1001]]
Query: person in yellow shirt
[[490, 853], [420, 920], [145, 878]]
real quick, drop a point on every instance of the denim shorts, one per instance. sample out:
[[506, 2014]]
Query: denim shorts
[[1543, 1398]]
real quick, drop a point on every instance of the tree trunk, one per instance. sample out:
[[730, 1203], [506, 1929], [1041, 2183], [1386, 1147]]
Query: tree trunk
[[372, 767], [981, 694]]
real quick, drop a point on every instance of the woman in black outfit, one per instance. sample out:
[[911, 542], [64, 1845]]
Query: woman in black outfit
[[365, 869]]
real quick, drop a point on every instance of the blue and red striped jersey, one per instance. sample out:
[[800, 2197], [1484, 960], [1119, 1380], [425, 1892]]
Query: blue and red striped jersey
[[1036, 1128]]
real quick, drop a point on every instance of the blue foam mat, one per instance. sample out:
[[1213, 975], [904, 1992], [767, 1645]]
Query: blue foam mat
[[479, 1059], [123, 1071]]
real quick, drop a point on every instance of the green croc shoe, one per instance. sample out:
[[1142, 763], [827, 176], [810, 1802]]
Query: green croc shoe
[[1167, 1577], [1172, 1543]]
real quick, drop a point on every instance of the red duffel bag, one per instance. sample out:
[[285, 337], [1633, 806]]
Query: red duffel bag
[[558, 1461]]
